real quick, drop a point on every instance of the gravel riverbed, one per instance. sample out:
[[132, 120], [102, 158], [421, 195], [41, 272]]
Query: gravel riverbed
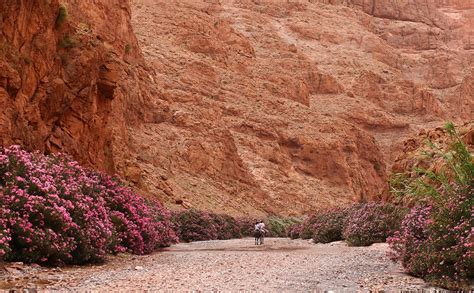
[[279, 265]]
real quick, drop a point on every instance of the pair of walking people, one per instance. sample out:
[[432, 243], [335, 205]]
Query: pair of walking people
[[259, 232]]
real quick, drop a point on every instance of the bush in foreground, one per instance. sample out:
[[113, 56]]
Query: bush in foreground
[[371, 223], [55, 211], [436, 239]]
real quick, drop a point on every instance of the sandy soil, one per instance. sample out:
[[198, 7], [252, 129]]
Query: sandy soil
[[278, 265]]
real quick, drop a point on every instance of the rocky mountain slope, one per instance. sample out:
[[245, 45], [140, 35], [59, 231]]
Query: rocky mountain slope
[[245, 107]]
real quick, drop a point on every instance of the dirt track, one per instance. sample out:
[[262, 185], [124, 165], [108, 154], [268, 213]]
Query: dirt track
[[279, 265]]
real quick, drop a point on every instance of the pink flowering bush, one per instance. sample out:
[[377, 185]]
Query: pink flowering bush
[[194, 225], [136, 228], [227, 227], [307, 226], [371, 223], [436, 239], [4, 233], [294, 231], [408, 242], [56, 212], [328, 225], [246, 226], [436, 243]]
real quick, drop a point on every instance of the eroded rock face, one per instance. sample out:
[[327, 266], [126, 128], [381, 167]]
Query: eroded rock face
[[65, 83], [411, 155], [245, 107], [307, 102]]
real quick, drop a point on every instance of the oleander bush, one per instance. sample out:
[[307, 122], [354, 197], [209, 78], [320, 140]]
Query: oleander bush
[[4, 232], [436, 238], [54, 211], [328, 225], [246, 226], [139, 227], [294, 231], [371, 223], [195, 225], [227, 226], [358, 224], [307, 226]]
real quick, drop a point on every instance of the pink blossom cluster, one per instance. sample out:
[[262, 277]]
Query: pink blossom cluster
[[436, 241], [54, 211], [227, 226], [246, 226], [372, 222], [4, 233], [295, 230], [195, 225], [139, 227], [328, 225], [358, 224]]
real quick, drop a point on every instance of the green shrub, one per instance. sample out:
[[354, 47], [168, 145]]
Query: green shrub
[[435, 241], [62, 15], [278, 227]]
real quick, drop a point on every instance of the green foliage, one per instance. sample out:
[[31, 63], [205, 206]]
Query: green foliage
[[278, 227], [435, 241], [425, 184], [62, 15], [66, 42]]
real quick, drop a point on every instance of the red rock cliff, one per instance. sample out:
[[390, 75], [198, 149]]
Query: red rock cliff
[[67, 77], [237, 106]]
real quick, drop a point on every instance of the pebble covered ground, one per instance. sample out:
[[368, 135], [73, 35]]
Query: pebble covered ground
[[226, 265]]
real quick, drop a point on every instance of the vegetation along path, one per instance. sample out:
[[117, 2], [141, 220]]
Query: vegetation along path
[[279, 265]]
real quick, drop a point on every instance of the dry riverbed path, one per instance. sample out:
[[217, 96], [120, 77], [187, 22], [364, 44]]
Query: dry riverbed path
[[279, 265]]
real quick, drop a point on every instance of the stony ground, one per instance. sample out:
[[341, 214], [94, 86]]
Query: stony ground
[[278, 265]]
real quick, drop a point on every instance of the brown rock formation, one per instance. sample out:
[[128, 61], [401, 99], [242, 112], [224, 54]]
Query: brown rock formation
[[238, 106], [413, 149]]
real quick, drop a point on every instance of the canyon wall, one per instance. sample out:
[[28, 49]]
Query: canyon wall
[[245, 107], [68, 78]]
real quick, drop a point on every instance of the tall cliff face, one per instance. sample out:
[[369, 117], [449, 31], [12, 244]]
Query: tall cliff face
[[237, 106], [284, 106], [66, 77]]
